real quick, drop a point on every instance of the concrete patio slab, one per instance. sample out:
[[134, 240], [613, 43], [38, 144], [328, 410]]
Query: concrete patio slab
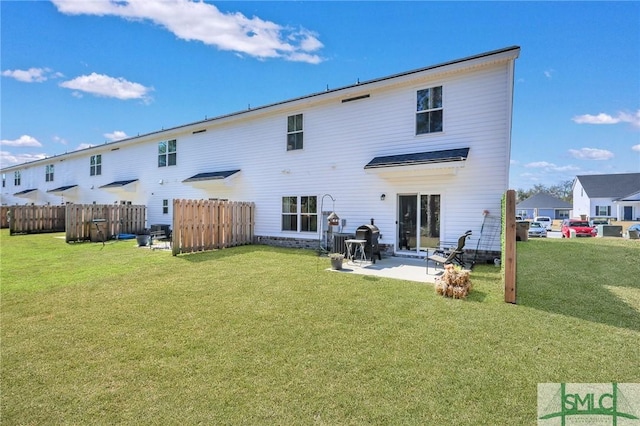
[[401, 268]]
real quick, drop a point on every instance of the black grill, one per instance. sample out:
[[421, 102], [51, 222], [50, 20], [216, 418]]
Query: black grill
[[371, 234]]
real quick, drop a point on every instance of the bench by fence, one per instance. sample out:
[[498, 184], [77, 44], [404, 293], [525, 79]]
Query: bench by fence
[[200, 225]]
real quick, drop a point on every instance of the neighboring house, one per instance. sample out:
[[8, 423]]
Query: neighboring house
[[422, 152], [543, 204], [615, 196]]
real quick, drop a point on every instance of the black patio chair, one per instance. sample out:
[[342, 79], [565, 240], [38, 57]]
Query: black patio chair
[[454, 255]]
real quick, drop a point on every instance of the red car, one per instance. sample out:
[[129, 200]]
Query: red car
[[582, 228]]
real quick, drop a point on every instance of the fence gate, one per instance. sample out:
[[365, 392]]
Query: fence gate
[[200, 225]]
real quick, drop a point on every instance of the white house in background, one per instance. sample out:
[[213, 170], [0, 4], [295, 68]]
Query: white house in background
[[615, 196], [423, 152]]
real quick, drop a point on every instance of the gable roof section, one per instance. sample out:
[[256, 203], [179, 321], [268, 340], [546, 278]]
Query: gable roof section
[[420, 158], [610, 186], [543, 200]]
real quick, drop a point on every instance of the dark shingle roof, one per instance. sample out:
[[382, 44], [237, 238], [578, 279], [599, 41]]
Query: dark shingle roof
[[26, 191], [211, 176], [543, 200], [62, 188], [444, 156], [118, 183], [610, 186]]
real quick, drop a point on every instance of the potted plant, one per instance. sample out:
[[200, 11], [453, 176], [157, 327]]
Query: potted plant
[[143, 238], [336, 260]]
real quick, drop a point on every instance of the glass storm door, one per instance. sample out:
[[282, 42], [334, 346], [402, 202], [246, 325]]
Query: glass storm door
[[418, 222]]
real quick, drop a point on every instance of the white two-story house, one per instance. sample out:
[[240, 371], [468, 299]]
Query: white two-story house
[[614, 196], [425, 153]]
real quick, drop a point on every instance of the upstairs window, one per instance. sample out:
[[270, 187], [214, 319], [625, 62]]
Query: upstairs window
[[4, 180], [16, 178], [48, 173], [300, 214], [429, 110], [167, 153], [294, 132], [95, 165], [165, 206]]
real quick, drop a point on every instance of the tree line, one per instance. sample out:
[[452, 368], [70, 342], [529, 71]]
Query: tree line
[[563, 191]]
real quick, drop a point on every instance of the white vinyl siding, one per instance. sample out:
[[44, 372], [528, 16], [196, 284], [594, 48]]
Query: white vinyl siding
[[339, 140]]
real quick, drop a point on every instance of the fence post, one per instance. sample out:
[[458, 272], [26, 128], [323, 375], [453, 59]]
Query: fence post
[[509, 255]]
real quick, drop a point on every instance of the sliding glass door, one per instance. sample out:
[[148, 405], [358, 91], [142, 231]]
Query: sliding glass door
[[418, 222]]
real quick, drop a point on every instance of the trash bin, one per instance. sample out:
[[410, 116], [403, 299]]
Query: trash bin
[[634, 235], [522, 230]]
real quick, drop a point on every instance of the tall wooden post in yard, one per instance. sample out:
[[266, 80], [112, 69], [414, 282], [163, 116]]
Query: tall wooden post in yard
[[509, 254]]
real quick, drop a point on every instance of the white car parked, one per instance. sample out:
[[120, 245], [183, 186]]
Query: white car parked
[[545, 221]]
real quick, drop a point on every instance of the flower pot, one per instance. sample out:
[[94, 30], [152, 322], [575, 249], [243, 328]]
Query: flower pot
[[336, 263], [143, 240]]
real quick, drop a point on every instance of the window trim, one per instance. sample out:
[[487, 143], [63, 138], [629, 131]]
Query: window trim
[[430, 110], [299, 141], [49, 172], [165, 206], [17, 178], [95, 165], [164, 158], [302, 217]]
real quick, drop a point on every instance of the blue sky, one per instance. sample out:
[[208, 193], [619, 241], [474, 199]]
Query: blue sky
[[79, 73]]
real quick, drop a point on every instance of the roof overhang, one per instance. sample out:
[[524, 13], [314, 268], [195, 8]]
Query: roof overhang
[[62, 189], [431, 162], [212, 178], [121, 186], [27, 193], [629, 198]]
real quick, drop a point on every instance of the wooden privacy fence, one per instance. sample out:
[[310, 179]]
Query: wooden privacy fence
[[99, 222], [200, 225], [4, 217], [36, 219]]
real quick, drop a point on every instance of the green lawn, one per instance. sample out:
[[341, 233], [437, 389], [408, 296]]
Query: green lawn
[[257, 335]]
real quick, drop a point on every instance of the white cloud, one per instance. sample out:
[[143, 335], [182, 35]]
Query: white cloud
[[591, 154], [550, 166], [83, 146], [103, 85], [602, 118], [203, 22], [636, 148], [32, 75], [24, 140], [116, 136], [8, 159], [549, 73], [60, 140]]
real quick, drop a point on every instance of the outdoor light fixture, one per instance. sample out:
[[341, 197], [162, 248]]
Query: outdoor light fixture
[[382, 197]]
